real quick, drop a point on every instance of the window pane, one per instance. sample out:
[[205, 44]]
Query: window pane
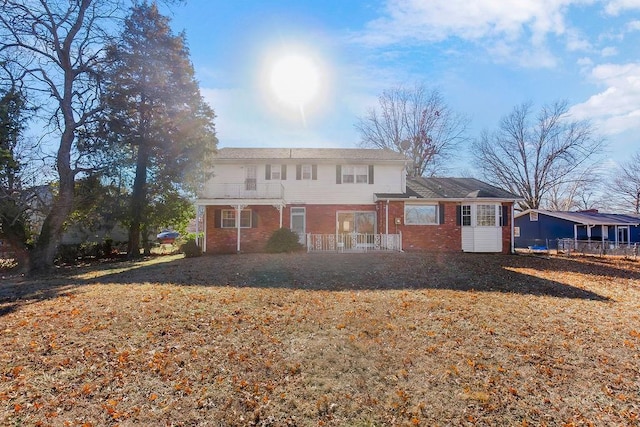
[[361, 174], [466, 215], [486, 215], [365, 222], [346, 222], [306, 171], [228, 219], [421, 214], [275, 171]]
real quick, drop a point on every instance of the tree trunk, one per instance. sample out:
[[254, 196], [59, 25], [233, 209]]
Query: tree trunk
[[138, 200], [43, 254]]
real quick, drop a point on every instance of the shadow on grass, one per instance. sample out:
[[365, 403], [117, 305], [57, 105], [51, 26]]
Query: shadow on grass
[[332, 272]]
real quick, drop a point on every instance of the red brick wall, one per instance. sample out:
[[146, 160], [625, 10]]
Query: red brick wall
[[321, 219], [224, 240], [445, 237]]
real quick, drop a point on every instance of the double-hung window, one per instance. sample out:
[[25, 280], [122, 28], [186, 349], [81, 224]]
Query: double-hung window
[[275, 172], [358, 174], [228, 218], [466, 215], [306, 172]]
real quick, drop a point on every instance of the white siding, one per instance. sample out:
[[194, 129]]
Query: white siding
[[481, 239], [387, 178]]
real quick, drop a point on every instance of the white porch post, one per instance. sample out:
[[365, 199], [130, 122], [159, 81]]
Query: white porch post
[[197, 223], [386, 216], [575, 236], [238, 211], [279, 207]]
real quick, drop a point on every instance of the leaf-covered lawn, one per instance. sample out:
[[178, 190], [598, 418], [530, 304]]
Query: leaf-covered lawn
[[334, 340]]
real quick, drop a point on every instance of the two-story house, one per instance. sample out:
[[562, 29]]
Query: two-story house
[[347, 199]]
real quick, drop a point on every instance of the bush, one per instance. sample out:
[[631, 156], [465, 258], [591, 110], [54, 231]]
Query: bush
[[190, 249], [283, 240]]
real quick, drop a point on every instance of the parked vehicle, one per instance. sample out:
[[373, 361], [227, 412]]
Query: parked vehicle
[[168, 236]]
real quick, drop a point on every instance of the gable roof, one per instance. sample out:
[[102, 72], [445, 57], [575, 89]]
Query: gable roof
[[450, 188], [587, 217], [349, 154]]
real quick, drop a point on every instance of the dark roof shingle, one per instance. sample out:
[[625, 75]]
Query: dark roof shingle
[[456, 188]]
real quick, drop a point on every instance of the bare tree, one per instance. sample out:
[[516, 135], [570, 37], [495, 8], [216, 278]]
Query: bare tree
[[415, 122], [58, 46], [532, 158], [624, 191], [581, 193]]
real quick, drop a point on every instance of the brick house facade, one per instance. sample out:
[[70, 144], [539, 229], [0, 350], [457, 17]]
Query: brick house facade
[[254, 191]]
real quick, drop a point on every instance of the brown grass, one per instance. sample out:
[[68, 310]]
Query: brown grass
[[334, 340]]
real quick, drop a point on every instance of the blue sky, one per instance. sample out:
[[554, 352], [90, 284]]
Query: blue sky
[[484, 56]]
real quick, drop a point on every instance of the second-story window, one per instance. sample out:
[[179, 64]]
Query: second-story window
[[355, 174], [306, 171], [275, 172]]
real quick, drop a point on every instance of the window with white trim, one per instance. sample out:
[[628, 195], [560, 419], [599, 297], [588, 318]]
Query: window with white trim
[[420, 214], [466, 215], [533, 216], [358, 174], [486, 215], [307, 172], [228, 218], [276, 172]]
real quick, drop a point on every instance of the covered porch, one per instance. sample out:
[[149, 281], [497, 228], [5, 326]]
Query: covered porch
[[239, 198]]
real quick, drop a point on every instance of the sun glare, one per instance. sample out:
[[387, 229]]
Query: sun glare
[[295, 80]]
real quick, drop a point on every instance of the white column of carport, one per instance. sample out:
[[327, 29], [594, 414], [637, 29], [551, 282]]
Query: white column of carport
[[575, 237]]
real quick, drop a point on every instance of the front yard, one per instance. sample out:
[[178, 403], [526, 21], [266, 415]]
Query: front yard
[[324, 339]]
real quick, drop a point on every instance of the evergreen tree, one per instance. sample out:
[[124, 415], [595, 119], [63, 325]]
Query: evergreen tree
[[156, 114], [13, 221]]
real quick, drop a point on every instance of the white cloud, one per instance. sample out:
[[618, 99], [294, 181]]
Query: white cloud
[[504, 29], [438, 19], [617, 108], [609, 51], [614, 7], [633, 26]]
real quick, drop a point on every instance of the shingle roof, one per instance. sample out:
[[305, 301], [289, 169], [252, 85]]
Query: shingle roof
[[456, 188], [588, 217], [308, 154]]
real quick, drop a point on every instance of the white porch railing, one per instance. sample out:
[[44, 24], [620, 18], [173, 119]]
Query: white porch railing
[[245, 190], [353, 242]]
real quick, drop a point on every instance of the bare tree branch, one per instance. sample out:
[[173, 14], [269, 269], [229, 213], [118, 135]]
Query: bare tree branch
[[540, 158], [417, 123]]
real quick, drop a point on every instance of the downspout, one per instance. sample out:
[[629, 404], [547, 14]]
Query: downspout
[[204, 226], [513, 233]]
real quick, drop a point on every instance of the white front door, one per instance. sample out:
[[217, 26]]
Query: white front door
[[481, 229], [299, 223]]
